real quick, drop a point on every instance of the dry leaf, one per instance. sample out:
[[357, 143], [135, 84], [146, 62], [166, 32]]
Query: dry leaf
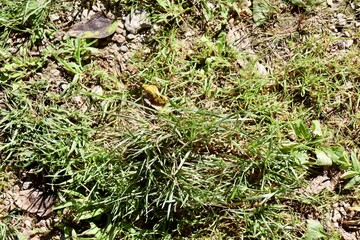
[[34, 201], [98, 26], [153, 97]]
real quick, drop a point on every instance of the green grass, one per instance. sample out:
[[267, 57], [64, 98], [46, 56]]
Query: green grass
[[226, 160]]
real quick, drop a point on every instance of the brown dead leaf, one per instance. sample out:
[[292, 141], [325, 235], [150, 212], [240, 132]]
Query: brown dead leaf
[[98, 26], [318, 184], [34, 201]]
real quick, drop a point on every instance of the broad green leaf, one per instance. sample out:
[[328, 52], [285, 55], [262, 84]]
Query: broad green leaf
[[92, 231], [70, 66], [34, 8], [261, 9], [69, 233], [322, 159], [90, 214], [299, 3], [302, 156], [338, 156], [98, 26], [353, 182], [301, 130], [316, 128], [64, 205], [4, 54], [163, 3], [314, 230], [349, 174], [20, 236], [355, 162], [287, 145]]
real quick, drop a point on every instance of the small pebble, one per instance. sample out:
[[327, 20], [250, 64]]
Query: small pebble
[[124, 48], [120, 24], [85, 13], [156, 27], [341, 45], [55, 72], [346, 205], [333, 3], [349, 85], [126, 57], [261, 68], [245, 3], [341, 19], [113, 47], [120, 30], [210, 5], [96, 8], [342, 22], [342, 211], [28, 223], [54, 17], [26, 185], [292, 137], [118, 38], [147, 50], [347, 34], [97, 90], [345, 44], [130, 36], [63, 86], [333, 28]]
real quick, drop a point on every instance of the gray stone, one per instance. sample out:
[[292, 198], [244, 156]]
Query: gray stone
[[55, 72], [119, 38], [318, 184], [345, 44], [333, 28], [26, 185], [63, 86], [341, 19], [97, 90], [156, 27], [113, 48], [124, 48], [87, 14], [120, 24], [261, 68], [120, 30], [96, 8], [54, 17], [348, 43], [334, 3]]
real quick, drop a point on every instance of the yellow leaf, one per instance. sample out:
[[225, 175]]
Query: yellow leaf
[[153, 97]]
